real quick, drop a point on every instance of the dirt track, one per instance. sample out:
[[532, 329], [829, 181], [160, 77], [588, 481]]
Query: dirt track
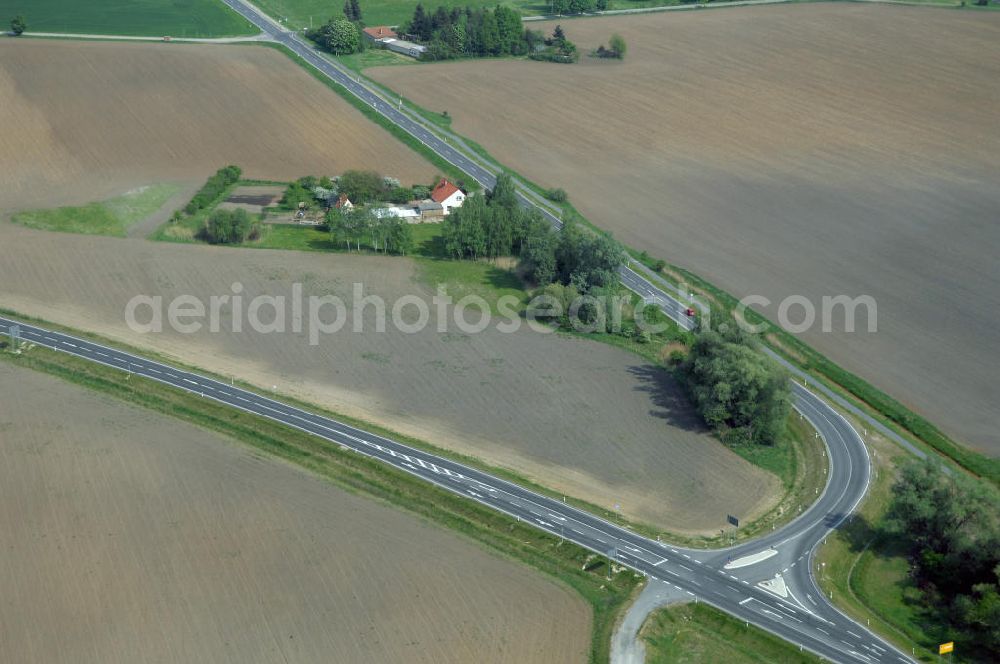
[[577, 416], [799, 149], [84, 121], [129, 537]]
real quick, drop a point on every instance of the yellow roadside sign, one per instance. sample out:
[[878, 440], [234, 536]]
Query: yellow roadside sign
[[946, 647]]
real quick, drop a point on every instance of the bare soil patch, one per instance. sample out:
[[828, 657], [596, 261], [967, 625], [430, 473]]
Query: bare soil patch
[[785, 150], [131, 537], [580, 417], [88, 121], [253, 198]]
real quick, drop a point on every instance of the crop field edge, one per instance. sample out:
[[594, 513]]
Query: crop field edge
[[447, 169], [874, 401], [361, 475], [751, 529]]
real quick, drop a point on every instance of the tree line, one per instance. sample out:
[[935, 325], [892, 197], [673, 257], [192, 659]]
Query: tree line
[[373, 226], [478, 32], [213, 188], [341, 35], [578, 6], [496, 225], [361, 187], [950, 527]]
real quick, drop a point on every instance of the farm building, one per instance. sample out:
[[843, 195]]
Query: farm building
[[343, 202], [380, 33], [448, 196], [404, 47], [408, 214], [430, 210]]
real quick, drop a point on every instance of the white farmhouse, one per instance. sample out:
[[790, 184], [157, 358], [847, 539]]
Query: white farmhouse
[[448, 195]]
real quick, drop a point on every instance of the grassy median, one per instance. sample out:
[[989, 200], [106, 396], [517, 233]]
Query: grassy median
[[701, 633]]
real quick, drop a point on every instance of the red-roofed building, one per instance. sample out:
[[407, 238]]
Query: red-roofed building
[[380, 33], [448, 195], [343, 203]]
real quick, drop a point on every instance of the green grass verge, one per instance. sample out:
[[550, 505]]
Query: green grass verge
[[699, 633], [153, 18], [568, 563], [426, 239], [375, 57], [110, 217], [484, 279]]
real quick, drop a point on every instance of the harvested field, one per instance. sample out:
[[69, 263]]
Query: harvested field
[[88, 121], [580, 417], [131, 537], [810, 149]]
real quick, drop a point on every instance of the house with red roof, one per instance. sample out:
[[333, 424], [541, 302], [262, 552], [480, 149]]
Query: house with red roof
[[447, 195], [380, 33], [343, 203]]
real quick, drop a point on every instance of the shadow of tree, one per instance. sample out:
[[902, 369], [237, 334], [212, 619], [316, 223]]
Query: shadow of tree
[[501, 278], [432, 247], [668, 397]]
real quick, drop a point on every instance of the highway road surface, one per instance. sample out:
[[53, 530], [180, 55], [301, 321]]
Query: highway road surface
[[794, 609]]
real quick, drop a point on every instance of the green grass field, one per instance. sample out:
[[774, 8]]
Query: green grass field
[[374, 12], [110, 217], [699, 633], [462, 278], [177, 18], [306, 13]]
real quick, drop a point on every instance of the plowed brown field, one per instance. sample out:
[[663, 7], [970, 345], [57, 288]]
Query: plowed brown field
[[580, 417], [131, 538], [87, 121], [799, 149]]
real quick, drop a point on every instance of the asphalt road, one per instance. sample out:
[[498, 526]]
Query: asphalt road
[[802, 615]]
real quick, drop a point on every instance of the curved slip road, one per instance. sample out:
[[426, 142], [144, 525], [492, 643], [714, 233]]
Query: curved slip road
[[803, 617]]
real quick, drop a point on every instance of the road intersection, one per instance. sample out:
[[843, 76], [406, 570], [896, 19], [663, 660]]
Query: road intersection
[[801, 615]]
